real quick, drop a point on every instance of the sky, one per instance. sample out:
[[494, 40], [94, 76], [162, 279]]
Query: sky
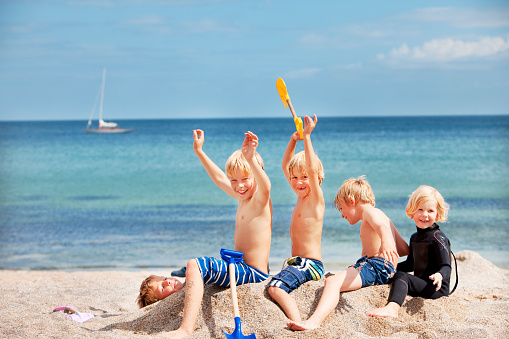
[[221, 58]]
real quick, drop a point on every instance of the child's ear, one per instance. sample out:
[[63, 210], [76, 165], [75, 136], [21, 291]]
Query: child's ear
[[351, 201]]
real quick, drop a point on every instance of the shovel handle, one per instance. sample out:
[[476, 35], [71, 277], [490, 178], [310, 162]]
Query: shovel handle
[[291, 107], [231, 255], [233, 287], [296, 119]]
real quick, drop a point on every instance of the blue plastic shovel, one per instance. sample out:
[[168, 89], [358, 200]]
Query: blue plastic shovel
[[234, 257]]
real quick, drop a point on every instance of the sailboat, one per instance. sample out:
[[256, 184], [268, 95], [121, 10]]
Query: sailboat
[[104, 127]]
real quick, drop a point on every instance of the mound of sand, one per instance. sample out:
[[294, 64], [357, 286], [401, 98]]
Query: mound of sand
[[478, 309]]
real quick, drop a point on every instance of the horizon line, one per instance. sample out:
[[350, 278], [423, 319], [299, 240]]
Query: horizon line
[[268, 117]]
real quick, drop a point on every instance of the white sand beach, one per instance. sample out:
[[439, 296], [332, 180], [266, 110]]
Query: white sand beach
[[478, 309]]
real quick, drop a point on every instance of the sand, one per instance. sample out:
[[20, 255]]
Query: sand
[[478, 309]]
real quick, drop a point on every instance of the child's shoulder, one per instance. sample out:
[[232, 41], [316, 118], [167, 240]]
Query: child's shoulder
[[372, 211], [440, 236]]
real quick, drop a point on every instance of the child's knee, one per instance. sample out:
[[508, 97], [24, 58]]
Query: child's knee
[[192, 267], [333, 280], [273, 290]]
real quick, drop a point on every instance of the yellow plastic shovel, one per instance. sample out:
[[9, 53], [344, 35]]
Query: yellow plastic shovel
[[283, 93]]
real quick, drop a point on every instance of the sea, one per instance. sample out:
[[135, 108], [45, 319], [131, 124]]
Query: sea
[[142, 201]]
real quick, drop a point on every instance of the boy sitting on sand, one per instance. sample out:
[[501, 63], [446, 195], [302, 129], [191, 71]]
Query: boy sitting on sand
[[430, 254], [245, 180], [381, 247], [304, 173]]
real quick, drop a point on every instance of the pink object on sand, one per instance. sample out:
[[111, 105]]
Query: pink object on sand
[[80, 317], [62, 308]]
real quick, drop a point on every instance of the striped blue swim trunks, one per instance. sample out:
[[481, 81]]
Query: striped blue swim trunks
[[215, 271], [296, 271]]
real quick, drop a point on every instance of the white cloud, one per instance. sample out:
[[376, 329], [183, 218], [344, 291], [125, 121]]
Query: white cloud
[[313, 40], [147, 20], [302, 73], [207, 26], [462, 17], [446, 50], [152, 24], [122, 3], [23, 28], [357, 65]]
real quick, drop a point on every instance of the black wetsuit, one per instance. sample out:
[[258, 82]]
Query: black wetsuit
[[429, 254]]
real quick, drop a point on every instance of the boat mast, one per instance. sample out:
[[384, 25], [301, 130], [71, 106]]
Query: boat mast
[[102, 96], [93, 109]]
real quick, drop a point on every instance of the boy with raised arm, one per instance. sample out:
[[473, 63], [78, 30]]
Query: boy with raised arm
[[245, 180], [381, 247], [304, 173]]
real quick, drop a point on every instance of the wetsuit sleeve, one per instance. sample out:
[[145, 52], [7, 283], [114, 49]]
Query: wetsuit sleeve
[[441, 247]]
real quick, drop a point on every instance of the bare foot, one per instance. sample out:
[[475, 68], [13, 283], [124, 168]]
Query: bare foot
[[391, 310], [294, 326]]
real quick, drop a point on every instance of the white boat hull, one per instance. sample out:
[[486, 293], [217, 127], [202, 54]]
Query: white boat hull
[[108, 130]]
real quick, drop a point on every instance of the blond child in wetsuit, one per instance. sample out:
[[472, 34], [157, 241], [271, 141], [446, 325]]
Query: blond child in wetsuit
[[429, 258]]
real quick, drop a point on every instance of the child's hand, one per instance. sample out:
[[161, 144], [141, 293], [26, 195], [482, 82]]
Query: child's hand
[[437, 280], [199, 138], [389, 255], [309, 124], [249, 145], [296, 136]]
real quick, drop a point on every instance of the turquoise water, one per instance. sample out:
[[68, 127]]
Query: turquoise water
[[142, 200]]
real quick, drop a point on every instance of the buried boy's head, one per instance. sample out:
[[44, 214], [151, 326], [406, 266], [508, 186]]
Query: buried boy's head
[[155, 288]]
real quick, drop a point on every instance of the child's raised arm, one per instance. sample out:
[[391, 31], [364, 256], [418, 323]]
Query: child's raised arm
[[262, 180], [215, 173], [311, 158], [289, 153]]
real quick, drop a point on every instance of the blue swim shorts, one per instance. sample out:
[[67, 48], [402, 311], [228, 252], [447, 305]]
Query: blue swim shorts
[[296, 272], [215, 271], [374, 270]]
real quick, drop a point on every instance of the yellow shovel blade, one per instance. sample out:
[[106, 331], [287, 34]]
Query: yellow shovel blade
[[285, 98], [283, 93]]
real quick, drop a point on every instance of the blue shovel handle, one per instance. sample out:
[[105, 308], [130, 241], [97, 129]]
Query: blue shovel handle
[[231, 256]]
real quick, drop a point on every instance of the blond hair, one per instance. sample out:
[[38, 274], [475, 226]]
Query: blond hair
[[147, 295], [298, 162], [359, 189], [424, 194], [237, 161]]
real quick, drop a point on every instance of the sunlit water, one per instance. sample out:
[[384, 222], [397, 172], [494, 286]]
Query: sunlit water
[[73, 200]]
